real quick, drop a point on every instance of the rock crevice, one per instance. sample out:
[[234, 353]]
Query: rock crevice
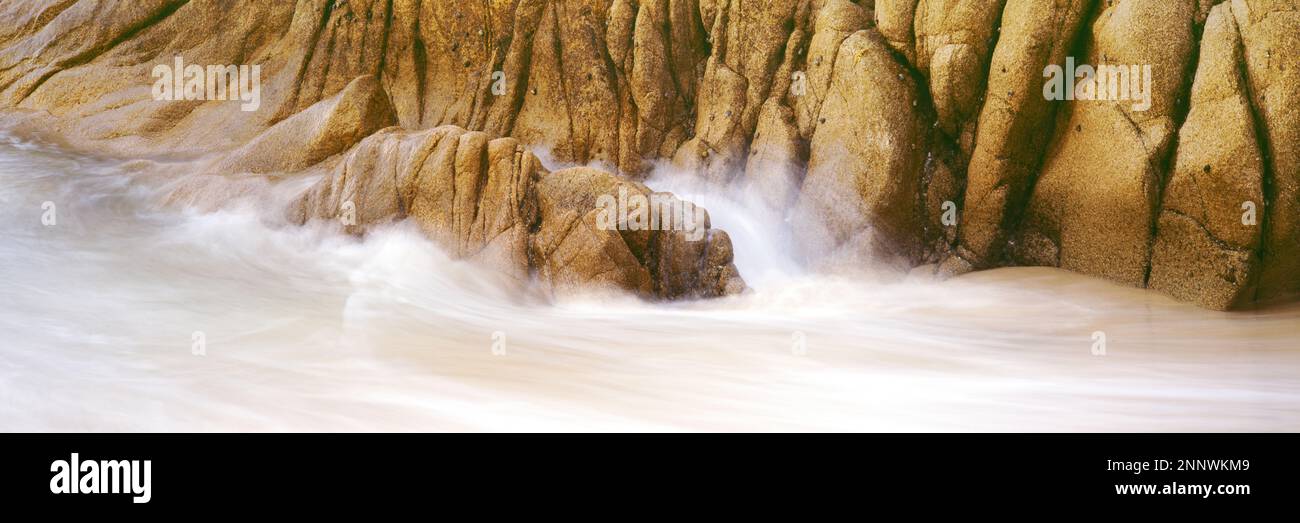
[[901, 132]]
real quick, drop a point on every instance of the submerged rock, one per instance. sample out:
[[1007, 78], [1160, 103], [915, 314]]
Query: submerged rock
[[491, 201]]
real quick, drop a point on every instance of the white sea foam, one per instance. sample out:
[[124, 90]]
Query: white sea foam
[[306, 329]]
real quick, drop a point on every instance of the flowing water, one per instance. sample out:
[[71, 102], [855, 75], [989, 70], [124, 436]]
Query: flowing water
[[103, 310]]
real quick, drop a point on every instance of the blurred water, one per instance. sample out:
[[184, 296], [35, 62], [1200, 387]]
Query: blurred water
[[305, 329]]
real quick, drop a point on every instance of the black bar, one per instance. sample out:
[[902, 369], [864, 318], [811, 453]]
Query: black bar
[[323, 472]]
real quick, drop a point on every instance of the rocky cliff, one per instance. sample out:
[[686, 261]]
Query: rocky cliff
[[905, 132]]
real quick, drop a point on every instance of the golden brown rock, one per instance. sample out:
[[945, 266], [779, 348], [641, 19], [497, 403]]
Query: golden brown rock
[[1093, 207], [896, 110], [859, 198], [774, 168], [1015, 122], [489, 200], [322, 130], [836, 20], [894, 18], [1207, 247], [954, 41], [1270, 36]]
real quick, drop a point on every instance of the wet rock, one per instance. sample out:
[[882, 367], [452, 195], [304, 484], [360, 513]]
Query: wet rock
[[859, 197], [954, 42], [836, 20], [326, 128], [1270, 35], [895, 18], [774, 168], [717, 150], [489, 200], [1093, 207], [1206, 250], [1014, 123], [902, 106]]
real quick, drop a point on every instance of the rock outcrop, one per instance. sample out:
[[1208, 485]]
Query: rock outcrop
[[1270, 34], [490, 200], [954, 41], [1207, 247], [324, 129], [893, 132], [1014, 125], [859, 197], [1094, 204]]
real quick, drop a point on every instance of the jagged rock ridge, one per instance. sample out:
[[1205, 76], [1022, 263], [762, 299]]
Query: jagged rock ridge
[[868, 119]]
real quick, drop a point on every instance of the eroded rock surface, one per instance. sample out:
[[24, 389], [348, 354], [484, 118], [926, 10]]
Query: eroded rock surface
[[1094, 203], [490, 200], [1014, 124], [859, 197], [896, 131], [1206, 249]]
